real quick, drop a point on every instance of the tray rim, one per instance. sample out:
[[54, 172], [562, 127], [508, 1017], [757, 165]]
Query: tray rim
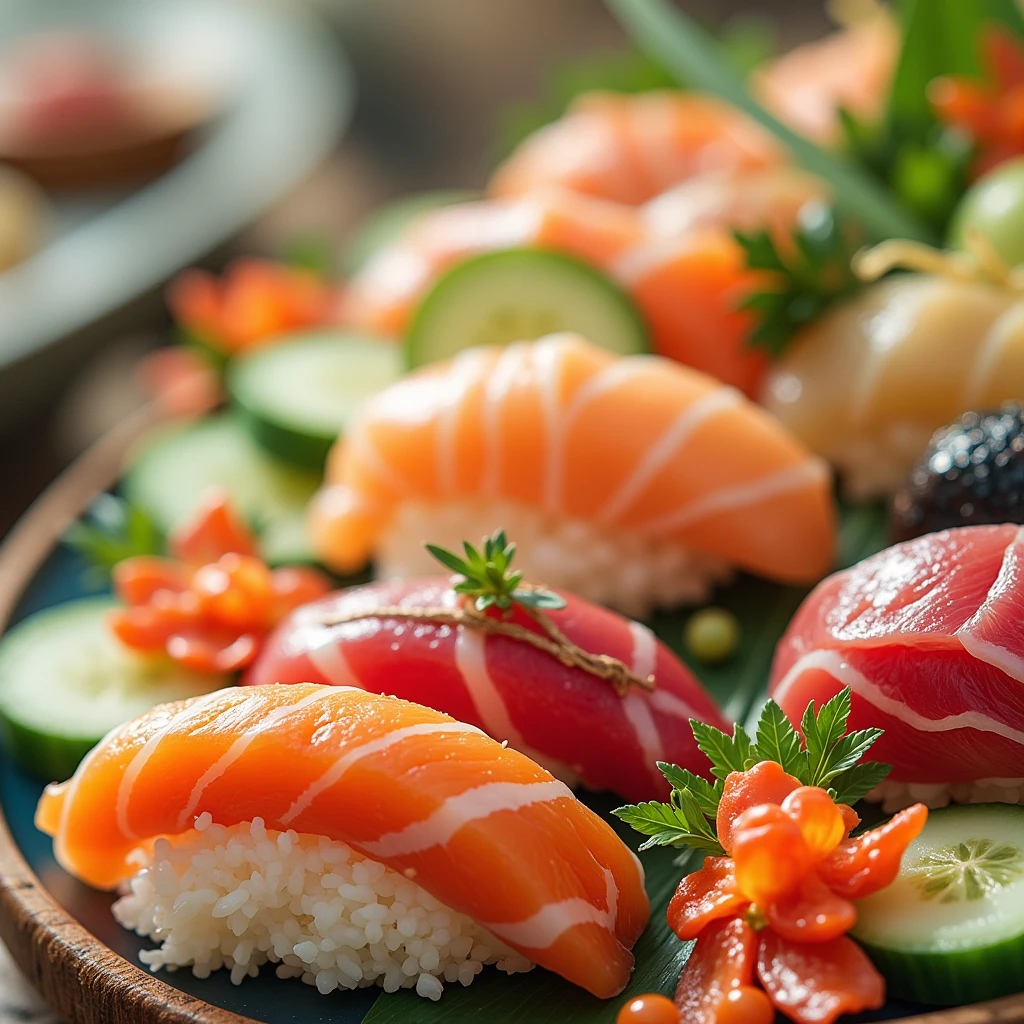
[[76, 974]]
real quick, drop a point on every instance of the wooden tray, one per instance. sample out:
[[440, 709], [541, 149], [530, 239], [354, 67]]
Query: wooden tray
[[76, 973]]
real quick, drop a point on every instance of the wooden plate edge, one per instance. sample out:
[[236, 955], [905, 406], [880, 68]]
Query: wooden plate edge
[[79, 976]]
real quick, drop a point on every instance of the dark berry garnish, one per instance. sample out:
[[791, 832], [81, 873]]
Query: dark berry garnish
[[972, 473]]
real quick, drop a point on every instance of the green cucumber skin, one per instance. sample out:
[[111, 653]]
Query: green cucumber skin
[[936, 979], [41, 754], [303, 450], [951, 976], [417, 347]]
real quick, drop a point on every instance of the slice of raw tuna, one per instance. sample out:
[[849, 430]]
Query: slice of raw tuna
[[929, 636], [570, 720]]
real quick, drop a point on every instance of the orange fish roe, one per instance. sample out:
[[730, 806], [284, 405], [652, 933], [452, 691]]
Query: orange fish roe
[[212, 603], [778, 906], [254, 302], [991, 111]]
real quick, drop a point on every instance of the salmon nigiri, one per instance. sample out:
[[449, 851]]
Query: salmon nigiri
[[630, 148], [403, 826], [631, 481]]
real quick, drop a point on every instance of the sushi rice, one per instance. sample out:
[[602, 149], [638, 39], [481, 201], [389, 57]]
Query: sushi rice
[[245, 896], [625, 571], [894, 795]]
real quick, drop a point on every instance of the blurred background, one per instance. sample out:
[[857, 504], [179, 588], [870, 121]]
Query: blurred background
[[143, 136]]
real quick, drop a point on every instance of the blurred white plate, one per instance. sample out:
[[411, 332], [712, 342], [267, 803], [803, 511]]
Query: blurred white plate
[[287, 95]]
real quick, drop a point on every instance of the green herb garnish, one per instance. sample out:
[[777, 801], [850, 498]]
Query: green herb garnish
[[807, 276], [826, 756], [112, 531], [488, 577]]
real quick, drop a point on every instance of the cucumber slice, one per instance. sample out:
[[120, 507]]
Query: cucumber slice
[[66, 681], [298, 396], [386, 224], [950, 929], [168, 476], [521, 294]]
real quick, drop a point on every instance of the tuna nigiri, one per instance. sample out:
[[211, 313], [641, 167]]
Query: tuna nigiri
[[631, 481], [631, 148], [564, 716], [388, 823], [927, 635]]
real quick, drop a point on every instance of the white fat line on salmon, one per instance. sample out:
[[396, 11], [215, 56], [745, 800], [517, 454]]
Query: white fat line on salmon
[[1006, 585], [141, 759], [235, 751], [467, 369], [471, 661], [463, 809], [605, 381], [635, 705], [638, 261], [333, 774], [665, 448], [784, 481], [503, 376], [845, 674], [544, 928]]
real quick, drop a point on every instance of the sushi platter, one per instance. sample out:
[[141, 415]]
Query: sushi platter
[[603, 605]]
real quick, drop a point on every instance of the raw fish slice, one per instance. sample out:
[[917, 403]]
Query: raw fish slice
[[481, 827], [569, 720], [927, 635], [631, 446], [631, 148]]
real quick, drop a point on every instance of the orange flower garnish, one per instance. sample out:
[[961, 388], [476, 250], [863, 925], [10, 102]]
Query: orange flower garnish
[[782, 900], [254, 302], [212, 603], [990, 112]]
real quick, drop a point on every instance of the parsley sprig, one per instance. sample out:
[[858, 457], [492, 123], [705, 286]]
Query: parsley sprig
[[488, 576], [826, 756], [806, 275], [112, 531]]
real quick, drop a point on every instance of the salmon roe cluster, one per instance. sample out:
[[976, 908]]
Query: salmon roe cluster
[[211, 604], [990, 112], [253, 303], [776, 908]]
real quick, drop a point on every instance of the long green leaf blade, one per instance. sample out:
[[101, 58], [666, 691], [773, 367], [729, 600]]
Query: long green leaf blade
[[777, 740], [685, 49]]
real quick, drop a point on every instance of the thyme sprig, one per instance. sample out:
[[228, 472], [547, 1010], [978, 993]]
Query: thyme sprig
[[826, 756], [488, 576], [804, 277]]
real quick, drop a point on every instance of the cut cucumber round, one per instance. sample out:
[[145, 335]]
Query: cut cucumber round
[[519, 295], [66, 681], [386, 224], [950, 929], [169, 475], [298, 396]]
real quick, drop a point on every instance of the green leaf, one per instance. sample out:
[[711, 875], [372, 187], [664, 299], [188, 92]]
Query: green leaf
[[856, 782], [111, 531], [448, 559], [536, 598], [706, 795], [669, 825], [726, 753], [778, 740], [848, 751], [940, 37], [822, 731], [676, 41]]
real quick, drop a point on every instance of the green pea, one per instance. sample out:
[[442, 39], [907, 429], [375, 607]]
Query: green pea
[[712, 634], [994, 206]]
